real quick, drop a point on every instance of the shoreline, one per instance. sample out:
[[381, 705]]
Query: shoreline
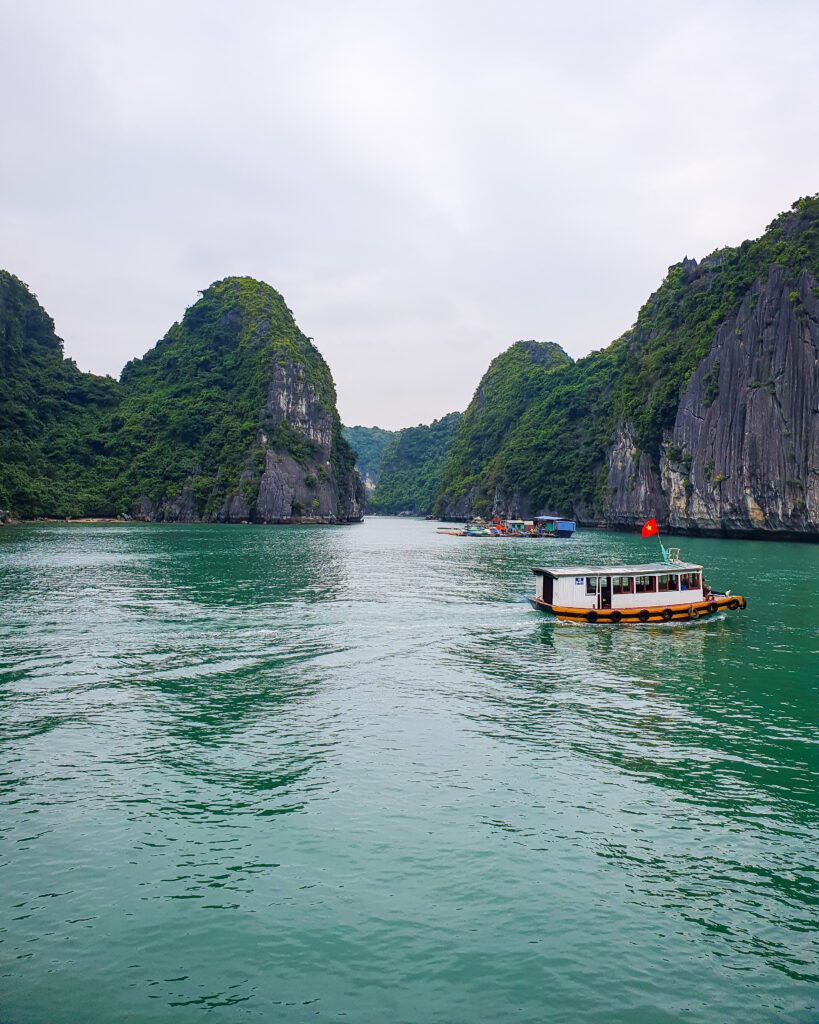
[[117, 521], [723, 534], [717, 533]]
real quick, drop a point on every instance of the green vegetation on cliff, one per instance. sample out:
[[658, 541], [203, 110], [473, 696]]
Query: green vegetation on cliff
[[539, 436], [193, 412], [369, 444], [190, 410], [410, 469], [56, 456], [675, 328], [515, 379]]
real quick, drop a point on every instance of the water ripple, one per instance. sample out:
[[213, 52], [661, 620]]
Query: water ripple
[[261, 774]]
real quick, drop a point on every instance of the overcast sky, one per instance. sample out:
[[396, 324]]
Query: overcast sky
[[425, 182]]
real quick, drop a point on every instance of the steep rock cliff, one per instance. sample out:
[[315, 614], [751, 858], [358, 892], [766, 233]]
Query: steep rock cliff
[[633, 483], [704, 413], [232, 418], [743, 454]]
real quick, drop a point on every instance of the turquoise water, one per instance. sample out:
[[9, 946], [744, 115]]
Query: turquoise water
[[261, 774]]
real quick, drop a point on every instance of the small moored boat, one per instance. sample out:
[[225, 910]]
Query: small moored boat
[[656, 592], [537, 528]]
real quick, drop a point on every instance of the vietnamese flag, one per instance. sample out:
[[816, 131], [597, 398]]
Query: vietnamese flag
[[649, 528]]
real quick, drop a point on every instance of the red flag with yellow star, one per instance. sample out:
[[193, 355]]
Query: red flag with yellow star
[[649, 528]]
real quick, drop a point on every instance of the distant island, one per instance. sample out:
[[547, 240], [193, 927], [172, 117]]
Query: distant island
[[703, 414]]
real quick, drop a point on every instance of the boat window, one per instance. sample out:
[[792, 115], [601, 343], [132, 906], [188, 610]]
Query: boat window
[[591, 584], [690, 581], [623, 584], [668, 581], [645, 584]]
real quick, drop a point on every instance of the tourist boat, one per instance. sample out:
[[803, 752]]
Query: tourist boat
[[665, 591]]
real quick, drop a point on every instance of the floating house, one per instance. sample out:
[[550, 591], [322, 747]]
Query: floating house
[[555, 525]]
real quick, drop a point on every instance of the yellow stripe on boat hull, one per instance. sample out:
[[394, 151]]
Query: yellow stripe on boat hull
[[669, 613]]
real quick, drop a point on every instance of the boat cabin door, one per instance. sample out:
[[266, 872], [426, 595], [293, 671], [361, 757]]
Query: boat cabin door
[[605, 591]]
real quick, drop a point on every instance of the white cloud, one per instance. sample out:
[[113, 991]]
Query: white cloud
[[424, 183]]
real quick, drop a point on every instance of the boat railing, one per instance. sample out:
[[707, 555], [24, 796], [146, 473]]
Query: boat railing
[[674, 555]]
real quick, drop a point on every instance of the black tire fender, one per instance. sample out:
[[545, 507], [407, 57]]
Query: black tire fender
[[616, 616], [712, 607], [693, 612], [643, 615], [667, 614], [733, 604], [591, 616]]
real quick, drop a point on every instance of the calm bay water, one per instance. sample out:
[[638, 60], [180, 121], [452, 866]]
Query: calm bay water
[[261, 774]]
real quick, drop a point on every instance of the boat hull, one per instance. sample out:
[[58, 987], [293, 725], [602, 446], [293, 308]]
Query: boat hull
[[669, 613]]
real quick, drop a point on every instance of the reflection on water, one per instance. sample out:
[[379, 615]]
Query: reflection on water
[[280, 773]]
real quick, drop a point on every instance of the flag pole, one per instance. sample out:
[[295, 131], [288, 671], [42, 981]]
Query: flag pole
[[649, 527], [662, 546]]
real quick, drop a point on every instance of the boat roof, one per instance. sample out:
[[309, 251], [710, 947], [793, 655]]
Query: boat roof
[[618, 570]]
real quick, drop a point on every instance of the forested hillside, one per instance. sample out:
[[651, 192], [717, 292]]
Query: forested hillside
[[56, 453], [515, 379], [732, 341], [369, 444], [232, 394], [230, 417], [410, 472], [703, 413]]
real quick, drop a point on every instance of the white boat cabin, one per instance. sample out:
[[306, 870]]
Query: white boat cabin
[[658, 584]]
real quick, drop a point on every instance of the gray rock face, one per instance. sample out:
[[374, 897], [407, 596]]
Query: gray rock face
[[171, 510], [462, 508], [287, 490], [304, 490], [291, 399], [744, 452], [633, 484], [515, 504]]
